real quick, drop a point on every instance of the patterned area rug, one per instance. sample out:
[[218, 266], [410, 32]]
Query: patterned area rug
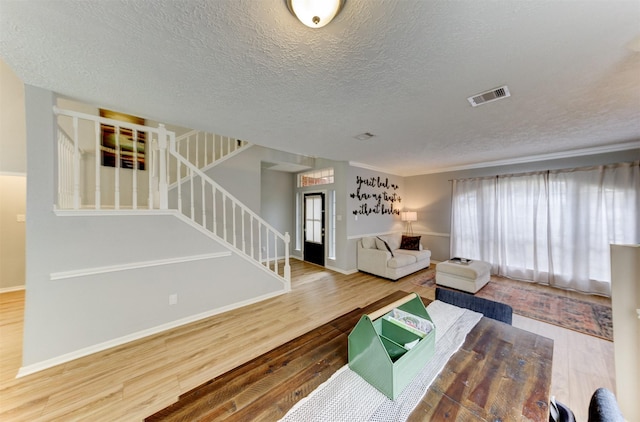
[[575, 314]]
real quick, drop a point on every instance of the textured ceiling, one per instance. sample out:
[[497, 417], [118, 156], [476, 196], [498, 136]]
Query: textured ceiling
[[401, 70]]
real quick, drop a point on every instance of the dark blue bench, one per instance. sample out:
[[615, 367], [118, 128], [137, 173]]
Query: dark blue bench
[[489, 308]]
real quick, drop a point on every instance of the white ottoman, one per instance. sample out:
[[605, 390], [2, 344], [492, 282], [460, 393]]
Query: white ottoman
[[469, 277]]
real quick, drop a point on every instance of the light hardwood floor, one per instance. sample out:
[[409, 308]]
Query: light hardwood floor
[[132, 381]]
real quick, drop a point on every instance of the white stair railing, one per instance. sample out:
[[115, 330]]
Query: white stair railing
[[209, 205], [120, 160], [131, 171], [70, 161], [204, 149]]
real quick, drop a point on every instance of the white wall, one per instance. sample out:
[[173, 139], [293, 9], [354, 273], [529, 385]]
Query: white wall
[[67, 317], [13, 150], [376, 222], [13, 167], [359, 224], [241, 174], [625, 302], [277, 200], [12, 232]]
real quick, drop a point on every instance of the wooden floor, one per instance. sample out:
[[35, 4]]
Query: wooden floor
[[265, 388], [133, 381]]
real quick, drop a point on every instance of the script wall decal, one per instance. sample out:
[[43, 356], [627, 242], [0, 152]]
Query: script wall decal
[[376, 196]]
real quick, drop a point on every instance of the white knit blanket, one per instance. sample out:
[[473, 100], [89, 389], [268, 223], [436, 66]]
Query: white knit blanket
[[347, 397]]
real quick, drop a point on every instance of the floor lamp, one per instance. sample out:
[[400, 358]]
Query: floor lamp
[[408, 217]]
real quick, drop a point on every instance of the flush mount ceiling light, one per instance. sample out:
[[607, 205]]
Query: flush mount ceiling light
[[315, 13]]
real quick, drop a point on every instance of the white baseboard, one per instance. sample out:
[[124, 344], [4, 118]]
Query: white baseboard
[[11, 289], [67, 357], [329, 267], [341, 271]]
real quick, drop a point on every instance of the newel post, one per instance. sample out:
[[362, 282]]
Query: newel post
[[162, 167]]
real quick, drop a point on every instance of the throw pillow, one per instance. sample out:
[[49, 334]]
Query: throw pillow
[[385, 244], [411, 243]]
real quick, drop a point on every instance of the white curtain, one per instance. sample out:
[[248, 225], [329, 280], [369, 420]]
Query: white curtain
[[549, 227]]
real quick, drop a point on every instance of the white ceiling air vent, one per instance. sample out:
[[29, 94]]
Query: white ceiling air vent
[[489, 96]]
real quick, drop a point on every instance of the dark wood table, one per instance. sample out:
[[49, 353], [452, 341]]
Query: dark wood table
[[500, 373]]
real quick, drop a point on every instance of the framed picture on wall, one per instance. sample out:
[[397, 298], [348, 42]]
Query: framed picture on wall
[[121, 141]]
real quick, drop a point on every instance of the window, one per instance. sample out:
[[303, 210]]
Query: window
[[315, 178], [332, 224], [550, 227], [298, 239]]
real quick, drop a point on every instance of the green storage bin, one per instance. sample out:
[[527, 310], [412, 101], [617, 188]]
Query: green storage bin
[[378, 352]]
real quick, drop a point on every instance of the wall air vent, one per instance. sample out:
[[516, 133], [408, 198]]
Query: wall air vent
[[489, 96]]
